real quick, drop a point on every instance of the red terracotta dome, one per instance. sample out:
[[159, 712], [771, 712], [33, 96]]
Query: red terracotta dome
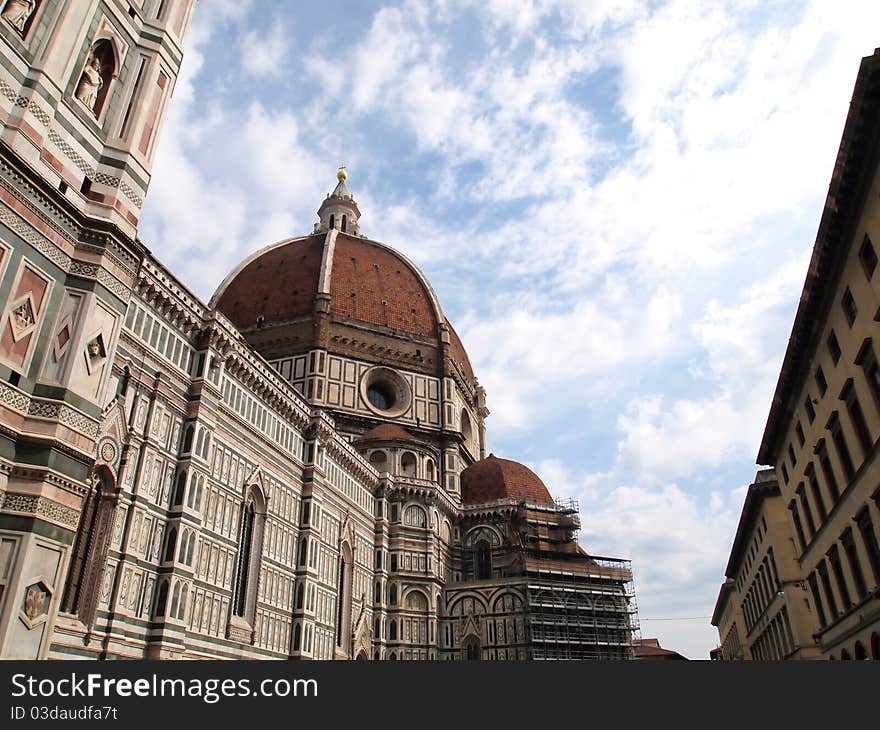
[[387, 432], [367, 282], [492, 478]]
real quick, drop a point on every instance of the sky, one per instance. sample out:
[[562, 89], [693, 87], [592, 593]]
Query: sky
[[615, 202]]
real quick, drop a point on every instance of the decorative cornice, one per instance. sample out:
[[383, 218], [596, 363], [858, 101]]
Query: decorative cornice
[[26, 405], [40, 507]]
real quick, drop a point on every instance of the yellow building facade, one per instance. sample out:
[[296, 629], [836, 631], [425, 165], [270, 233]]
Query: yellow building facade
[[822, 432]]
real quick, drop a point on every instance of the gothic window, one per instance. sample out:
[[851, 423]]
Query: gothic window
[[466, 430], [89, 552], [188, 440], [245, 549], [392, 631], [184, 540], [429, 470], [415, 516], [175, 601], [170, 544], [482, 560], [162, 598], [332, 220], [250, 545], [343, 598], [197, 505], [416, 601], [344, 223], [181, 486], [392, 594], [377, 594]]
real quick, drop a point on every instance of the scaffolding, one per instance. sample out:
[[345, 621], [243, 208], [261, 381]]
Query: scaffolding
[[578, 606], [589, 612]]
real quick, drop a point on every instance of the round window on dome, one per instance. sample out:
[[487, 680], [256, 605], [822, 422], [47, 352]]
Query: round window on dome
[[380, 397], [385, 392]]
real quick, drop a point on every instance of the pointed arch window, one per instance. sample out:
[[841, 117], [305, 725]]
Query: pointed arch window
[[343, 598], [250, 546], [244, 565], [170, 544], [482, 560]]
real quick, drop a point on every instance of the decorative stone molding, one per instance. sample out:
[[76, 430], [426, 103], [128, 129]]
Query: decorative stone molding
[[40, 507]]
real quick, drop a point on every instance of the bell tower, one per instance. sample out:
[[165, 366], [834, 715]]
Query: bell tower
[[84, 87]]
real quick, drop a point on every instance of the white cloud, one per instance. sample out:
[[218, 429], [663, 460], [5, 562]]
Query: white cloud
[[678, 545], [598, 242], [264, 53], [742, 347], [530, 351]]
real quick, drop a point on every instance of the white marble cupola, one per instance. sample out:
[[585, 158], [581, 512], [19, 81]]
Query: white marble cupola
[[339, 209]]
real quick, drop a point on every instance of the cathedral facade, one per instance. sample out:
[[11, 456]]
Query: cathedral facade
[[295, 469]]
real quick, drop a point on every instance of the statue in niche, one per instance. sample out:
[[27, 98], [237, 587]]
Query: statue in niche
[[17, 13], [90, 82]]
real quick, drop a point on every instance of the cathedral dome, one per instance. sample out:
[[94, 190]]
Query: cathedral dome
[[366, 281], [492, 478], [339, 291]]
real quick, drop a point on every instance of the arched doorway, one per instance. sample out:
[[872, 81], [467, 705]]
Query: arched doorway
[[470, 649], [90, 550]]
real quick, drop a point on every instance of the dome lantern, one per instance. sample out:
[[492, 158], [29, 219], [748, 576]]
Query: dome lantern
[[339, 209]]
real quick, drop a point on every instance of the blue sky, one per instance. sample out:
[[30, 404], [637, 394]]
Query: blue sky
[[615, 202]]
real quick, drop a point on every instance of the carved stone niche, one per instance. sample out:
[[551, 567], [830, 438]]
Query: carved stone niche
[[22, 318], [18, 14], [35, 606], [96, 352]]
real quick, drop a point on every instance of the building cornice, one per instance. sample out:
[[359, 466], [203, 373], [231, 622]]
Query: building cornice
[[857, 158]]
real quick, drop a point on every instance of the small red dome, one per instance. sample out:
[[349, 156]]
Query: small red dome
[[387, 432], [493, 478]]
